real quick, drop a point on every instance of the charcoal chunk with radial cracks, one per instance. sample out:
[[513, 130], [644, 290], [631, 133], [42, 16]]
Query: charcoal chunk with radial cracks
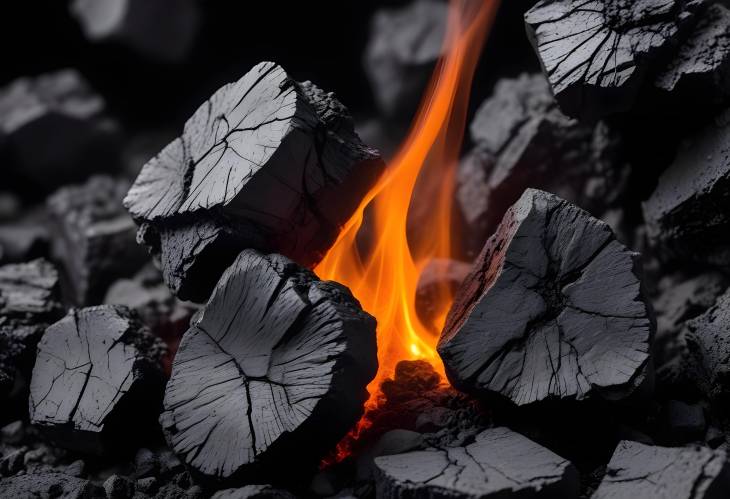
[[271, 374], [97, 369], [598, 53], [499, 463], [639, 470], [553, 308]]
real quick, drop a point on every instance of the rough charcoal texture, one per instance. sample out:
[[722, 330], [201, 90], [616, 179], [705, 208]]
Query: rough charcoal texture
[[638, 470], [97, 368], [686, 216], [60, 111], [266, 163], [499, 463], [272, 371], [149, 27], [404, 45], [598, 53], [94, 237], [253, 492], [522, 140], [553, 309], [42, 485]]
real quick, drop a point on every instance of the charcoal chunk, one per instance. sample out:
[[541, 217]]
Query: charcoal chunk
[[404, 45], [271, 373], [96, 368], [638, 470], [498, 464], [253, 492], [150, 27], [552, 309], [94, 237], [597, 53], [22, 242], [439, 280], [50, 484], [266, 163]]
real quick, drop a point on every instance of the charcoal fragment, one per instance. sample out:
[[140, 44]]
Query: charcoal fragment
[[49, 485], [22, 242], [254, 492], [439, 280]]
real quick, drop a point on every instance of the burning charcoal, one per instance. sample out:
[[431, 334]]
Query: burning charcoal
[[439, 276], [253, 492], [153, 28], [266, 163], [687, 214], [23, 242], [94, 237], [553, 308], [272, 371], [638, 470], [49, 484], [63, 114], [523, 140], [96, 367], [499, 463], [403, 48], [597, 53]]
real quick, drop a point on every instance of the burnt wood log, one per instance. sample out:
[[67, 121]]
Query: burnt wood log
[[686, 215], [499, 463], [271, 373], [598, 53], [552, 309], [97, 369], [93, 237], [266, 163], [638, 470]]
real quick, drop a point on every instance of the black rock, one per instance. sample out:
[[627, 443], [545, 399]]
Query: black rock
[[598, 53], [97, 368], [272, 371], [230, 182], [94, 237], [638, 470], [253, 492], [553, 309], [499, 463], [43, 485], [118, 487]]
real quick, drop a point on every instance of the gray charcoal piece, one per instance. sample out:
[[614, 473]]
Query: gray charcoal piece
[[500, 463], [253, 492], [271, 373], [94, 237], [553, 308], [49, 484], [267, 163], [637, 471], [96, 367], [150, 27], [686, 215], [403, 48], [598, 53], [439, 276]]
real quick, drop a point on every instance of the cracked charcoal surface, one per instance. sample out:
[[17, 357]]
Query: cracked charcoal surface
[[49, 485], [638, 470], [500, 462], [686, 215], [404, 45], [553, 309], [146, 26], [96, 367], [272, 371], [266, 163], [523, 140], [597, 53]]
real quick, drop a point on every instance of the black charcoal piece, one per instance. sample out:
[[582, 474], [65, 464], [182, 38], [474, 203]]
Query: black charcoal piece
[[266, 163], [60, 111], [687, 216], [637, 470], [598, 53], [97, 369], [254, 492], [94, 237], [552, 309], [49, 484], [500, 463], [149, 27], [272, 371], [404, 45]]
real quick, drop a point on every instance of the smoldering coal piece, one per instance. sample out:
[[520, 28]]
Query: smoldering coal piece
[[553, 309], [271, 373], [97, 369], [638, 470], [499, 463], [266, 163], [597, 53]]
